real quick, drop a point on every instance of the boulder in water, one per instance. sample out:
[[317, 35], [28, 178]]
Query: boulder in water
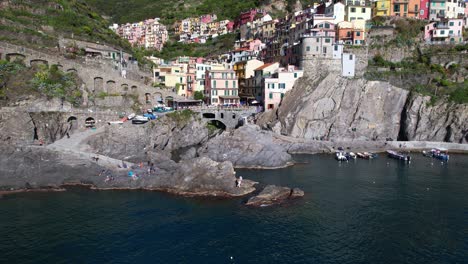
[[273, 194]]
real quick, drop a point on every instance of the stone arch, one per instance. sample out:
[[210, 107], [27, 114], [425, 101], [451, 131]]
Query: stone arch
[[209, 115], [148, 98], [233, 116], [72, 70], [134, 88], [217, 123], [98, 85], [169, 100], [38, 62], [124, 87], [15, 57], [90, 122], [158, 97], [72, 123], [450, 64], [111, 86]]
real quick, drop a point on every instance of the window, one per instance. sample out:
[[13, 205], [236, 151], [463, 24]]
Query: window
[[442, 32], [336, 47], [214, 84], [226, 92], [442, 4], [271, 96], [295, 75], [396, 8], [233, 84], [363, 10], [405, 7], [226, 83], [415, 8], [350, 56], [317, 39], [324, 50], [327, 40], [308, 48], [282, 86], [353, 10], [451, 24], [450, 32], [358, 33]]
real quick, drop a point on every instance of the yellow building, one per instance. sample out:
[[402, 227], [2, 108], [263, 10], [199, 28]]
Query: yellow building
[[381, 8], [172, 76]]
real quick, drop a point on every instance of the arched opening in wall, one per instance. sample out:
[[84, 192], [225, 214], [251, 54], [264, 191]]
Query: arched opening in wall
[[72, 123], [169, 101], [221, 115], [111, 87], [134, 88], [72, 70], [233, 116], [148, 98], [98, 85], [38, 62], [124, 87], [218, 124], [209, 115], [90, 122], [59, 66], [158, 97], [15, 57]]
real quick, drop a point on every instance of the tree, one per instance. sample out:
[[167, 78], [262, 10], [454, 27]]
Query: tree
[[198, 95]]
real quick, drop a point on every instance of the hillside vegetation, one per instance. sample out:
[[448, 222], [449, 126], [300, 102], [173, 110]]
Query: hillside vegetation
[[123, 11], [38, 23]]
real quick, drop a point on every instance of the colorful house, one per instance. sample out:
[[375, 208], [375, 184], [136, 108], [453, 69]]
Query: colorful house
[[221, 87], [278, 84], [351, 33], [424, 9], [358, 10], [382, 8], [444, 31]]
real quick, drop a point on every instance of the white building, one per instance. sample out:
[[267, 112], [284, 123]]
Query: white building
[[348, 65]]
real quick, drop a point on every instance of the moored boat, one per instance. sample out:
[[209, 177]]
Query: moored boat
[[438, 153], [351, 155], [341, 156], [399, 156]]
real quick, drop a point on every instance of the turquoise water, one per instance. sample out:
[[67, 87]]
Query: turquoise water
[[379, 211]]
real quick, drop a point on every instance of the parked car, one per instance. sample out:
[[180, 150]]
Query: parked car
[[140, 119]]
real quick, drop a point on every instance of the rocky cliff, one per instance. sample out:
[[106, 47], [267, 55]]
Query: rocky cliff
[[328, 106]]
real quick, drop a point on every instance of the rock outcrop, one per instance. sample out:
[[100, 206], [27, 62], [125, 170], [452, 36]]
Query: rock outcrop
[[43, 169], [331, 107], [440, 122], [247, 147], [273, 194]]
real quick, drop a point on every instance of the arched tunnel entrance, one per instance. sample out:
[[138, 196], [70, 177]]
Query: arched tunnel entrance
[[216, 124], [209, 115]]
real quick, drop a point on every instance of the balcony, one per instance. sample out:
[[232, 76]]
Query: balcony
[[400, 1]]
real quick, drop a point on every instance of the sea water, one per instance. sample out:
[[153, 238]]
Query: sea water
[[363, 211]]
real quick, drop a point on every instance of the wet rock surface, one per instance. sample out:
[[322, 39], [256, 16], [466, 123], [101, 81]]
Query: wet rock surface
[[273, 194]]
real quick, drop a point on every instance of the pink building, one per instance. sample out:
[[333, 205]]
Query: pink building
[[424, 9], [221, 87], [149, 33], [278, 84], [444, 31]]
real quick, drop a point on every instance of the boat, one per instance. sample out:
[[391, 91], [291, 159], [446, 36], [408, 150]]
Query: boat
[[140, 119], [351, 155], [362, 155], [341, 156], [131, 116], [438, 153], [399, 156]]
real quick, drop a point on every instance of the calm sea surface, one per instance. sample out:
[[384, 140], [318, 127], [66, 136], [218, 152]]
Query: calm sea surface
[[379, 211]]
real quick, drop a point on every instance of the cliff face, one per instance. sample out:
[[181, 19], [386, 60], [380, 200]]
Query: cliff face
[[342, 108], [439, 122], [332, 107]]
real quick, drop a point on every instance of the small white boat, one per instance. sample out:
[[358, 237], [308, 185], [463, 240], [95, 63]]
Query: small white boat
[[131, 116], [352, 155], [140, 119], [340, 156], [115, 122]]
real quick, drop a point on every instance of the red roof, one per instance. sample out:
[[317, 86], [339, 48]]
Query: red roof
[[264, 66]]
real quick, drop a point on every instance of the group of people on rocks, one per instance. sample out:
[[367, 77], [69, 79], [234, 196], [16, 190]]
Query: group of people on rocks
[[150, 169]]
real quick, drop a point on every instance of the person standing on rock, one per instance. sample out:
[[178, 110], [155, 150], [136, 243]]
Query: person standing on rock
[[239, 182]]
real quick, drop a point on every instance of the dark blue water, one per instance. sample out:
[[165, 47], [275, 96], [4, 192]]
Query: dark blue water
[[379, 211]]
